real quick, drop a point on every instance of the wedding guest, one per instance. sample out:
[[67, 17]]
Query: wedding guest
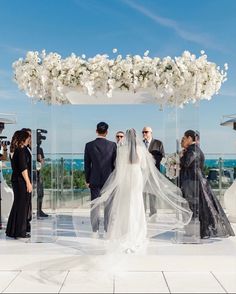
[[28, 154], [120, 136], [155, 147], [197, 191], [99, 162], [22, 187]]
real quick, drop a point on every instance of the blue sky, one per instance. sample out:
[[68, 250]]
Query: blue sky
[[164, 27]]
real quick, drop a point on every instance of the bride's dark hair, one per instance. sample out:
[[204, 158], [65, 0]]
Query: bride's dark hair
[[132, 144]]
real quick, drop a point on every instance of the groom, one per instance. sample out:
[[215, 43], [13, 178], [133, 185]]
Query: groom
[[99, 162]]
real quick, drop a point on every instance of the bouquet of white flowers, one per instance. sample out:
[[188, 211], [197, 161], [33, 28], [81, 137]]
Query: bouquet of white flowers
[[171, 163]]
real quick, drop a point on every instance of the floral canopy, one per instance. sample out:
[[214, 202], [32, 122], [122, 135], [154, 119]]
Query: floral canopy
[[129, 80]]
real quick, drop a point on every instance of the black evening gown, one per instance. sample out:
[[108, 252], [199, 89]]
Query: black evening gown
[[202, 201], [18, 221], [29, 168]]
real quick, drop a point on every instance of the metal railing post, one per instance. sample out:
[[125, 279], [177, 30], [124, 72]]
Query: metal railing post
[[220, 177]]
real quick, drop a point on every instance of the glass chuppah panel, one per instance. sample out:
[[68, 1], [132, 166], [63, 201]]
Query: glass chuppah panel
[[63, 172], [65, 194], [177, 122], [67, 174], [44, 196]]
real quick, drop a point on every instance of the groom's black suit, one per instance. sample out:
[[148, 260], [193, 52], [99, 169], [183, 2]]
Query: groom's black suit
[[99, 162]]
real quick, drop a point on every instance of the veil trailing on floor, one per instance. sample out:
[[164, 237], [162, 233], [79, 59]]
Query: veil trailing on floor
[[134, 175], [172, 209]]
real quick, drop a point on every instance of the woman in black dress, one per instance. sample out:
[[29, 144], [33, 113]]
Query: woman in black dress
[[197, 191], [21, 183]]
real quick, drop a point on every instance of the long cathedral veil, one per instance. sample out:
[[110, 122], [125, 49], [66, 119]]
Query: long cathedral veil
[[122, 188]]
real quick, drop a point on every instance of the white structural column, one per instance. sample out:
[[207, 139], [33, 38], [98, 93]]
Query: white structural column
[[230, 202]]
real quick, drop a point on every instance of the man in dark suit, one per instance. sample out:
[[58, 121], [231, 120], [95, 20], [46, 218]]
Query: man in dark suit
[[99, 162], [155, 147]]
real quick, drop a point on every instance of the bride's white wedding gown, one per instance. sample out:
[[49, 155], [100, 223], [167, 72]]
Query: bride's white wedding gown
[[123, 192], [127, 224]]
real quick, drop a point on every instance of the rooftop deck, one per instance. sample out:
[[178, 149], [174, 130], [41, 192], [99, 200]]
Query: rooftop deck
[[68, 266]]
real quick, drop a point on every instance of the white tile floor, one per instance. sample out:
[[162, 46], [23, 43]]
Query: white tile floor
[[84, 282], [140, 282], [125, 282], [66, 266], [193, 282]]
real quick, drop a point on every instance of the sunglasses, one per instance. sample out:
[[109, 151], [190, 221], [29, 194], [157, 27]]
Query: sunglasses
[[119, 136], [145, 132]]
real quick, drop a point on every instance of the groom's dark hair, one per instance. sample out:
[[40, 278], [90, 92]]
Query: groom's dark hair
[[191, 133], [102, 128]]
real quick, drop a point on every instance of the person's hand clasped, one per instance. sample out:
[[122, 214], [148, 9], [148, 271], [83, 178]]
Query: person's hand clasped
[[29, 187]]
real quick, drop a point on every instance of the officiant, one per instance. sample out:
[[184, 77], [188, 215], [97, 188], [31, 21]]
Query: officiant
[[155, 147]]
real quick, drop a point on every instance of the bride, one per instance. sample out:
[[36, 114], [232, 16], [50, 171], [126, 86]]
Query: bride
[[134, 174]]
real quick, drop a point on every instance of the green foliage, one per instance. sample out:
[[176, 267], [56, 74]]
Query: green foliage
[[7, 178], [206, 170], [55, 177], [79, 180], [47, 177]]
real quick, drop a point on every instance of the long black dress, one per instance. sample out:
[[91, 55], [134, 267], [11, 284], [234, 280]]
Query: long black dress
[[202, 201], [29, 168], [18, 221]]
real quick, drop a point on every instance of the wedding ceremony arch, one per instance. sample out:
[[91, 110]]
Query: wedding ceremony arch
[[168, 82]]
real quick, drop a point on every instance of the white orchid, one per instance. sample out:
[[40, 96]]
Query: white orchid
[[174, 82]]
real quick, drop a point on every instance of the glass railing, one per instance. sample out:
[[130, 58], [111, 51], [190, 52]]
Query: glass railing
[[220, 171], [64, 180]]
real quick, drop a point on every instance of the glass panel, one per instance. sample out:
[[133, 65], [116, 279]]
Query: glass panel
[[44, 221], [177, 121], [188, 119], [220, 171]]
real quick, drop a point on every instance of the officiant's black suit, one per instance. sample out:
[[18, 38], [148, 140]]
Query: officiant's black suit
[[157, 150], [99, 162]]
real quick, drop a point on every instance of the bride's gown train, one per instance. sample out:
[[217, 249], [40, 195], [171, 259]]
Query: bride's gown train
[[123, 192], [127, 222]]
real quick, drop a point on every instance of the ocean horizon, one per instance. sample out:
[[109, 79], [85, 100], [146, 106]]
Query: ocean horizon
[[78, 163]]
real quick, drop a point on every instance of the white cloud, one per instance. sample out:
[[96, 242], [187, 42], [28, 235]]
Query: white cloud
[[9, 94], [198, 38], [5, 73], [228, 92], [13, 49]]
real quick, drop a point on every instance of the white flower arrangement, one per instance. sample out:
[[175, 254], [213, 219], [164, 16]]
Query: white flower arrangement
[[172, 82], [171, 163]]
